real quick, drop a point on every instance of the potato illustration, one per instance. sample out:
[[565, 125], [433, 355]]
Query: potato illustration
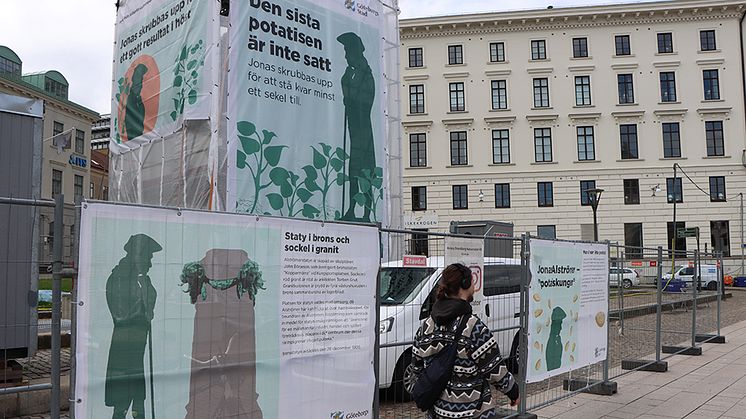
[[600, 319], [549, 303], [572, 358], [575, 298], [538, 312], [567, 346], [538, 328], [573, 347], [570, 330], [537, 345], [538, 364], [576, 317], [548, 322], [537, 297]]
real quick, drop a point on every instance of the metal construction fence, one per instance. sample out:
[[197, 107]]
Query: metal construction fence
[[659, 306]]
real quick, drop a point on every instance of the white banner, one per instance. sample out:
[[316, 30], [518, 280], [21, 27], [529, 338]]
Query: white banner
[[307, 127], [568, 307], [200, 315], [469, 252], [165, 68]]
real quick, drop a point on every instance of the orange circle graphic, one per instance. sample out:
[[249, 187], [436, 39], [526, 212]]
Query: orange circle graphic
[[150, 90]]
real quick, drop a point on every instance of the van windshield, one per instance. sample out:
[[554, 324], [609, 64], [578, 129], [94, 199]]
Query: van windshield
[[398, 285]]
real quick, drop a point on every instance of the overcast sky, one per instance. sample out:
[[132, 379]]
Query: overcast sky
[[75, 36]]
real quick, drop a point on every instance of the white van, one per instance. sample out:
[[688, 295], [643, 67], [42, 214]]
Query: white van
[[408, 293], [687, 273]]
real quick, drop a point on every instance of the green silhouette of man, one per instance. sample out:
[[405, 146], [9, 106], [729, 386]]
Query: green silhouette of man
[[358, 90], [554, 343], [134, 117], [130, 297]]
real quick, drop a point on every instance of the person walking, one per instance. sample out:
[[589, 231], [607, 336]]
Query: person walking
[[479, 370]]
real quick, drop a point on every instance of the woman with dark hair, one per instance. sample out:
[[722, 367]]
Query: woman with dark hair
[[479, 369]]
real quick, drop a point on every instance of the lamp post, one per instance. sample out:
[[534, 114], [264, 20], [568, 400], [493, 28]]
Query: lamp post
[[594, 195]]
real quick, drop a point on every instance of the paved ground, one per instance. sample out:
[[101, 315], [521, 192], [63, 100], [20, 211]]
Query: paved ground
[[709, 386]]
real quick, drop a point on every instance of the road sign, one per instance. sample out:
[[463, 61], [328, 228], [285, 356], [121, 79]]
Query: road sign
[[687, 232]]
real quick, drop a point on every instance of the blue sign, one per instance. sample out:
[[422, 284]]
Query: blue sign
[[79, 161]]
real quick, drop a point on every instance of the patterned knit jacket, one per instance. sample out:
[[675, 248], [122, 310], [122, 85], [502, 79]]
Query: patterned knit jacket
[[478, 370]]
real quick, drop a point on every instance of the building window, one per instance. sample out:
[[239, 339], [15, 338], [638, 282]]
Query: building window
[[92, 191], [633, 240], [538, 50], [631, 191], [586, 149], [720, 235], [585, 197], [500, 146], [626, 88], [56, 182], [546, 194], [668, 86], [79, 141], [621, 42], [458, 148], [499, 94], [546, 232], [418, 243], [628, 139], [582, 90], [460, 196], [456, 91], [417, 98], [497, 52], [51, 233], [665, 43], [707, 40], [717, 189], [502, 195], [543, 144], [455, 54], [105, 193], [78, 186], [58, 128], [580, 47], [674, 191], [415, 57], [712, 84], [541, 93], [419, 198], [417, 150], [680, 242], [9, 67], [715, 140], [671, 140]]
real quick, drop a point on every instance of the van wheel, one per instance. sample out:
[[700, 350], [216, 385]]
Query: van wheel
[[398, 386], [627, 284], [712, 286]]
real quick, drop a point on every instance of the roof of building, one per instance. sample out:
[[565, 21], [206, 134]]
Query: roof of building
[[579, 15], [8, 53], [52, 74], [43, 94]]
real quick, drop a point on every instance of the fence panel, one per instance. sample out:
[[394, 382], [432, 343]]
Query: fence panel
[[31, 309], [407, 293]]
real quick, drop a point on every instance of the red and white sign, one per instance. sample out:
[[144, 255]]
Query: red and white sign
[[414, 260], [636, 264], [653, 263]]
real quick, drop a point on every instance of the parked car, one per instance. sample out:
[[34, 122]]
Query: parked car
[[408, 293], [630, 277], [686, 274]]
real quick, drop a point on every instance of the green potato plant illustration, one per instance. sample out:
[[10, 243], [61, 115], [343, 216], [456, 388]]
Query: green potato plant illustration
[[258, 155], [186, 76]]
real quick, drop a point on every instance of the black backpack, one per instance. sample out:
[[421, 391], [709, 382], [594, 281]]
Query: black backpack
[[434, 378]]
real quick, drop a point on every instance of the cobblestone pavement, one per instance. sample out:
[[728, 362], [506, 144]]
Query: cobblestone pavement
[[40, 365], [63, 415]]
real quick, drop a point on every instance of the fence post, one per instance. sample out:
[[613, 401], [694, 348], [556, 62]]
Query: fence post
[[695, 284], [721, 283], [59, 207], [72, 399], [659, 296], [523, 345], [620, 287]]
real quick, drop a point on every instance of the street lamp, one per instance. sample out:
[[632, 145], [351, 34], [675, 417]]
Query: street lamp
[[594, 195]]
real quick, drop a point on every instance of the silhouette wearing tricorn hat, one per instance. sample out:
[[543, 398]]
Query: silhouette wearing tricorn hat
[[554, 343], [358, 90], [134, 117], [130, 297]]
